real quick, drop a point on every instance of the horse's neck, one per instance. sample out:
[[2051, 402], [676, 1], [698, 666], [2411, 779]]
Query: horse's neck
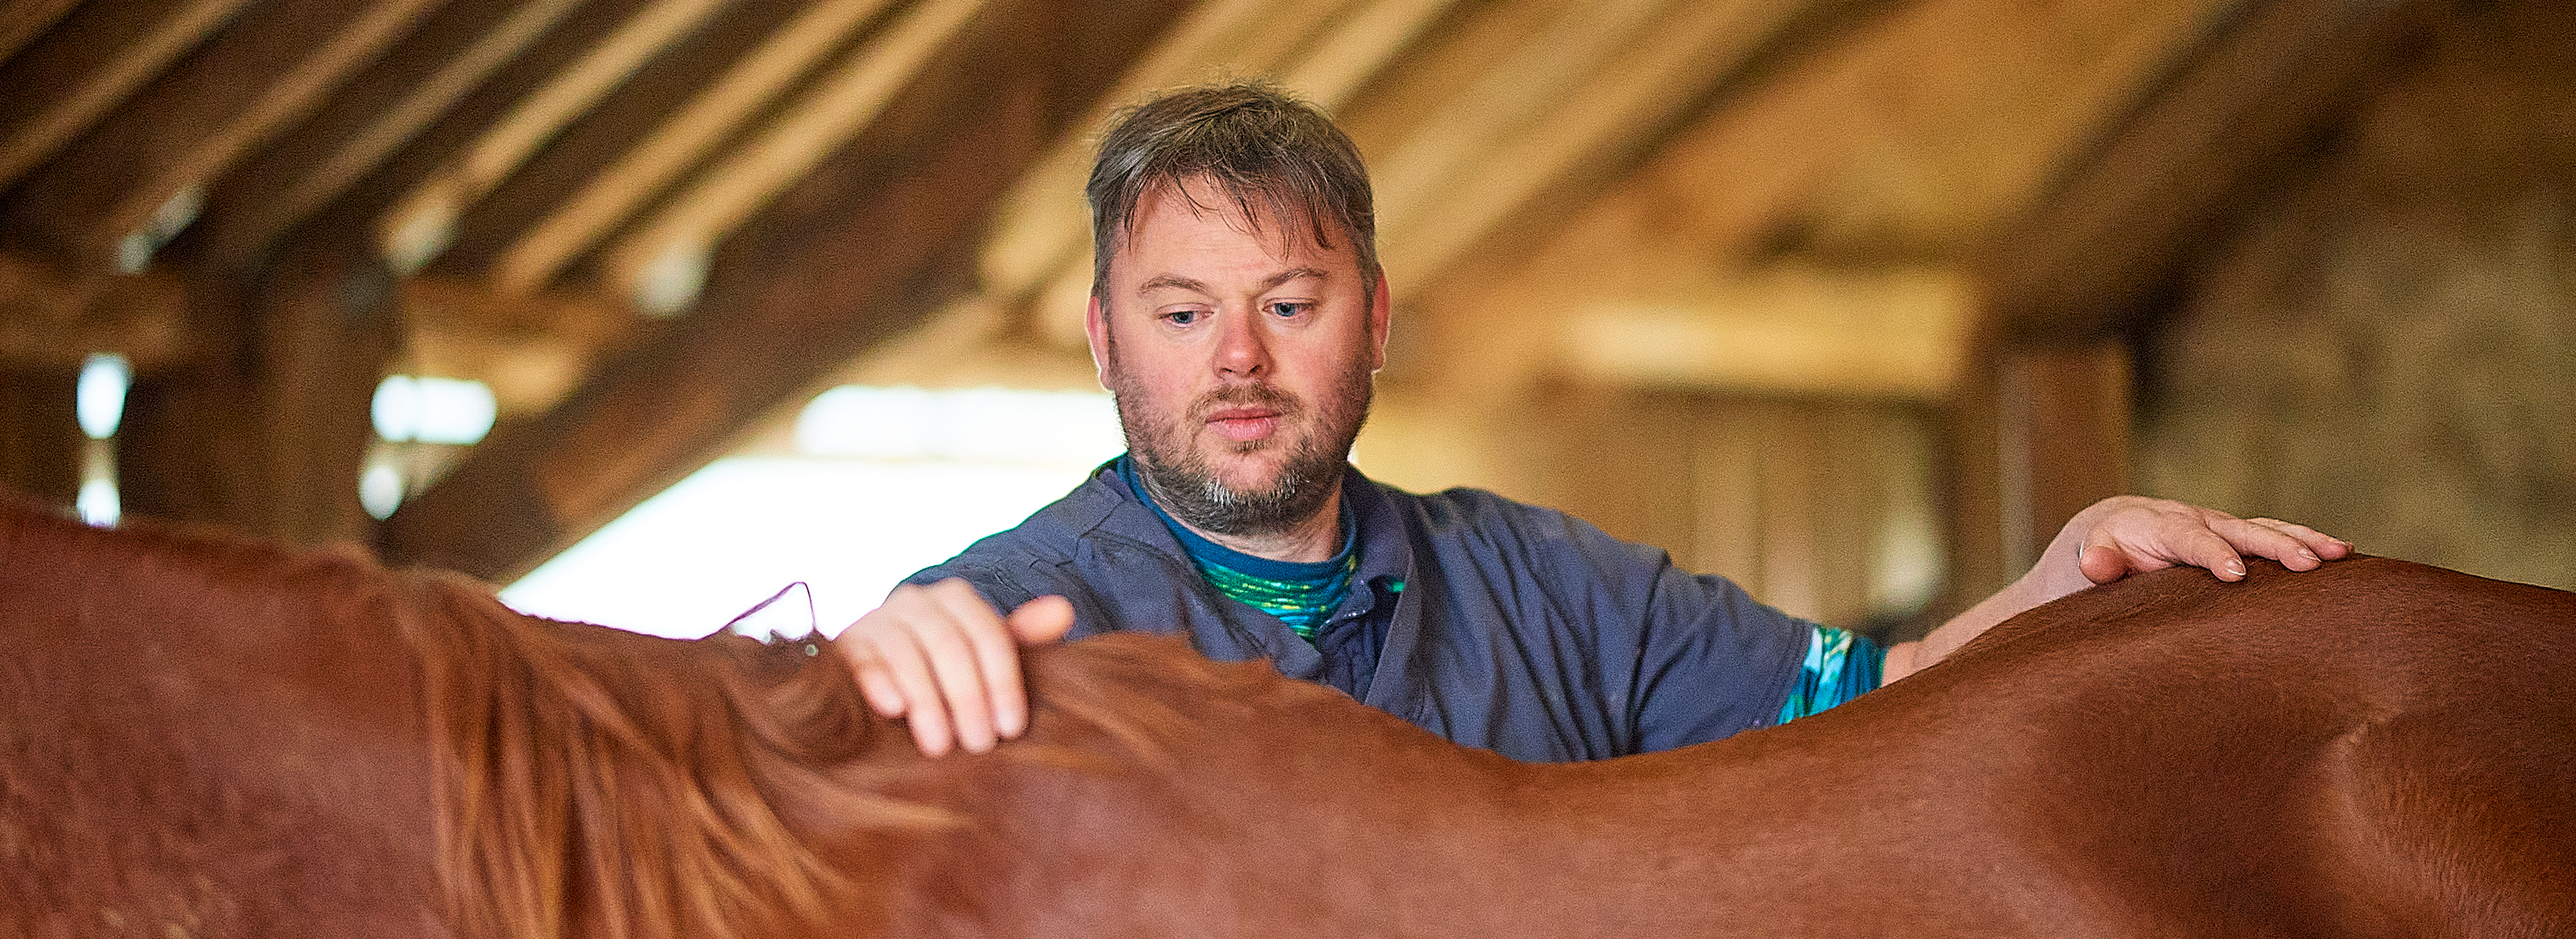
[[187, 746]]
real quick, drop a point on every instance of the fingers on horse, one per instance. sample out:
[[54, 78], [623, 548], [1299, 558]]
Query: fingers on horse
[[908, 666], [977, 665], [2323, 546], [2272, 538], [2198, 537], [1042, 620], [875, 684]]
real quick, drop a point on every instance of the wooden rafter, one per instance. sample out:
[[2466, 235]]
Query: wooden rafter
[[1504, 104], [1362, 43], [23, 21], [855, 252], [1036, 231], [55, 318], [1536, 141], [686, 230], [114, 56], [620, 125], [424, 223], [288, 98], [683, 140], [454, 51]]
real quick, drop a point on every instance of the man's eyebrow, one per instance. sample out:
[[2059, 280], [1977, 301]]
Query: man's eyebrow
[[1178, 282], [1172, 282], [1290, 274]]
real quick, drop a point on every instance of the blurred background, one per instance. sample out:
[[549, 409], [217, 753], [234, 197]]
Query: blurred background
[[647, 308]]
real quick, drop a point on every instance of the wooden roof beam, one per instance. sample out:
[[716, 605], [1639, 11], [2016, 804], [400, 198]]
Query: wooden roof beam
[[287, 99], [683, 140], [365, 123], [1035, 231], [1534, 149], [2234, 113], [663, 265], [22, 22], [864, 244], [424, 223], [99, 56], [131, 183], [52, 317]]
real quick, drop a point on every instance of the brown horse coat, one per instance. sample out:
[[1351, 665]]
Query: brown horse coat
[[204, 738]]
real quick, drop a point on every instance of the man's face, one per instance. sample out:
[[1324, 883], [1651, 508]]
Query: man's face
[[1241, 360]]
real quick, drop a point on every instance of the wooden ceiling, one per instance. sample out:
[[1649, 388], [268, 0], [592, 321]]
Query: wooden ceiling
[[648, 224]]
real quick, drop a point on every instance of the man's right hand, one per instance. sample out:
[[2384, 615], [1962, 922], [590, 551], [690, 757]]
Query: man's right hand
[[948, 662]]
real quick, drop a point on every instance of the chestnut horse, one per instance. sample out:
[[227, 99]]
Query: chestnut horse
[[208, 738]]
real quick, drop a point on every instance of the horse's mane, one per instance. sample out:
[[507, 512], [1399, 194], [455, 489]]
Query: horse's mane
[[648, 781], [680, 788]]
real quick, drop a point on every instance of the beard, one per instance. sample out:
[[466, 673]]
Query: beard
[[1186, 483]]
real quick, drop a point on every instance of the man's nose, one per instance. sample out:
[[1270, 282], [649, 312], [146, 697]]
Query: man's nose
[[1243, 350]]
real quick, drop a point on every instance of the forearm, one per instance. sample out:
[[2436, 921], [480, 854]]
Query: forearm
[[2057, 573]]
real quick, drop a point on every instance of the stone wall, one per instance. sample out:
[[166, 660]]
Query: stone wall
[[2387, 349]]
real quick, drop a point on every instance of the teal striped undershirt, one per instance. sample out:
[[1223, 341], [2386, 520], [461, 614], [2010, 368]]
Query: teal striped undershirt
[[1840, 665], [1299, 594]]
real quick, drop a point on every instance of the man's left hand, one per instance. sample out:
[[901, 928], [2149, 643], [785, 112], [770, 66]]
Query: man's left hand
[[2115, 538], [2127, 535]]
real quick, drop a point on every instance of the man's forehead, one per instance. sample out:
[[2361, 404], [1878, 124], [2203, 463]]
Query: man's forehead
[[1281, 221]]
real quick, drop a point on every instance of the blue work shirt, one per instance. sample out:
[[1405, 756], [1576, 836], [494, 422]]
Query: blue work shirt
[[1493, 623]]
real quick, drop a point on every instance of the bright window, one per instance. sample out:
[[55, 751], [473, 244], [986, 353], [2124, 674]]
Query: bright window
[[885, 482]]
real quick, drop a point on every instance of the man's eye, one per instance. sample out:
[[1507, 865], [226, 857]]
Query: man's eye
[[1286, 309], [1181, 317]]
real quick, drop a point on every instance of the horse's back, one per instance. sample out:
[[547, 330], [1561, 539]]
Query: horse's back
[[2454, 806], [2373, 748]]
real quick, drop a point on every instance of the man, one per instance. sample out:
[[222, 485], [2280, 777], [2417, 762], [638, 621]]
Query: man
[[1238, 316]]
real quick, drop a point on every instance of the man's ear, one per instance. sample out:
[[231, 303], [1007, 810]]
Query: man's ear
[[1378, 310], [1095, 324]]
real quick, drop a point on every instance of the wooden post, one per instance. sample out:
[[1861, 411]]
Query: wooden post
[[264, 430], [188, 449], [2039, 434], [329, 334], [40, 435]]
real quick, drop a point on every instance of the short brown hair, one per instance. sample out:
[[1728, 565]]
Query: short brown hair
[[1275, 156]]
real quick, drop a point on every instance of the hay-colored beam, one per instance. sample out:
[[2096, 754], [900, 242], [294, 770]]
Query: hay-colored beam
[[96, 62], [255, 205], [861, 246], [424, 222], [685, 138]]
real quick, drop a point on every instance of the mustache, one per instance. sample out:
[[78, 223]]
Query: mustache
[[1249, 394]]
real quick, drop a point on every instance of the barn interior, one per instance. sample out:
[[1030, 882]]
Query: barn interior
[[1854, 301]]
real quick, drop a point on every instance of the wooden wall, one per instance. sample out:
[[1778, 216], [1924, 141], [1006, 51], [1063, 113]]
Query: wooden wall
[[1823, 506], [2387, 348]]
